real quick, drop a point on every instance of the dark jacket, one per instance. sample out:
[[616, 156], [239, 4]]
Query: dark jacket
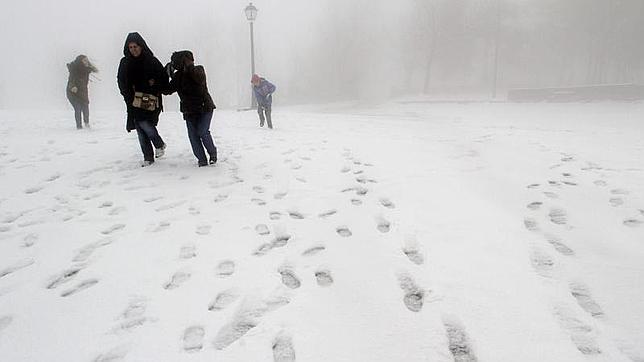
[[79, 77], [189, 81], [141, 74], [263, 92]]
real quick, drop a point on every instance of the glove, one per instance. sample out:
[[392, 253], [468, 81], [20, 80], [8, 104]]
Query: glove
[[74, 90]]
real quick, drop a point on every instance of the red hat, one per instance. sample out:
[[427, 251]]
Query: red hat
[[255, 78]]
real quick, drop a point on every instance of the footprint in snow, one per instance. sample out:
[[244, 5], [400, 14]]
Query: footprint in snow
[[221, 197], [80, 287], [459, 343], [619, 192], [113, 229], [356, 202], [535, 205], [560, 246], [313, 250], [193, 339], [258, 202], [163, 225], [414, 296], [600, 183], [324, 278], [581, 333], [275, 215], [633, 222], [558, 216], [387, 203], [551, 195], [15, 267], [582, 294], [542, 263], [105, 204], [63, 277], [283, 350], [414, 255], [117, 211], [152, 199], [177, 280], [289, 278], [259, 189], [245, 319], [533, 186], [188, 251], [33, 190], [280, 195], [616, 201], [328, 213], [203, 229], [53, 177], [225, 268], [383, 225], [345, 169], [223, 300], [296, 215], [530, 224], [115, 354], [343, 231], [85, 252], [262, 229], [29, 240]]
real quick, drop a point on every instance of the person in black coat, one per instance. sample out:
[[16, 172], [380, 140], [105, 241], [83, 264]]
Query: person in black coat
[[197, 106], [141, 79], [77, 93]]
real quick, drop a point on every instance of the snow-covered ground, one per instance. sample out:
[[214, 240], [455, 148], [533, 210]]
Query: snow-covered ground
[[400, 232]]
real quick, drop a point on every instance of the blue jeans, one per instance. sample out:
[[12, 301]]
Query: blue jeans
[[80, 107], [199, 134], [148, 136]]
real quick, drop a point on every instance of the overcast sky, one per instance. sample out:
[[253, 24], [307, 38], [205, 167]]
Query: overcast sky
[[326, 50]]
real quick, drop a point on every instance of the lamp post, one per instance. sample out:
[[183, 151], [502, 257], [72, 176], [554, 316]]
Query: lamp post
[[251, 15]]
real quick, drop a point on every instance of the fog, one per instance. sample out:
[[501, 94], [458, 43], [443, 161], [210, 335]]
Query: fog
[[328, 50]]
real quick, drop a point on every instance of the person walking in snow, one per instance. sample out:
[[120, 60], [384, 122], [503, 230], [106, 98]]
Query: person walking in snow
[[263, 90], [77, 92], [141, 79], [197, 106]]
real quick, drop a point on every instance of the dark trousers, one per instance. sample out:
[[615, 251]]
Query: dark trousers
[[264, 111], [198, 126], [80, 107], [148, 136]]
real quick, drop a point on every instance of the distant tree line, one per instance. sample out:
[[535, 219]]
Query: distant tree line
[[480, 47]]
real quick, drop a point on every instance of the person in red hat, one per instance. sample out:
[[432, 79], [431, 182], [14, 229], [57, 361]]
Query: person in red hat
[[263, 90]]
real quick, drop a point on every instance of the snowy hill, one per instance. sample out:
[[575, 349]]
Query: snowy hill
[[403, 232]]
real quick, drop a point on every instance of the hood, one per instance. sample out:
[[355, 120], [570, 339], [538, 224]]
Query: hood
[[136, 38]]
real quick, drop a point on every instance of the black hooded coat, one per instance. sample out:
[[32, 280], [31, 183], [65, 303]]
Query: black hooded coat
[[79, 77], [144, 73]]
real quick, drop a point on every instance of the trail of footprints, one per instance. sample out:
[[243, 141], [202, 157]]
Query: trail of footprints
[[582, 334]]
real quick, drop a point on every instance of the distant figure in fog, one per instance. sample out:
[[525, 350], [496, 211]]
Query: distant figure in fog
[[77, 92], [263, 90], [197, 106], [141, 78]]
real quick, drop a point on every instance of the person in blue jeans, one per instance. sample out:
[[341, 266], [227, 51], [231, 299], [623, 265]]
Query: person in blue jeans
[[197, 106], [141, 79], [263, 90]]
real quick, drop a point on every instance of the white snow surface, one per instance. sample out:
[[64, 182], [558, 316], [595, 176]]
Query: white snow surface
[[399, 232]]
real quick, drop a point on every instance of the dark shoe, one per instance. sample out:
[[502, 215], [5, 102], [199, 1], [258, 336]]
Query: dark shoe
[[202, 164], [213, 159]]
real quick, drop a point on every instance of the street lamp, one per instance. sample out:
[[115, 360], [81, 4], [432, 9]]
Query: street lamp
[[251, 15]]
